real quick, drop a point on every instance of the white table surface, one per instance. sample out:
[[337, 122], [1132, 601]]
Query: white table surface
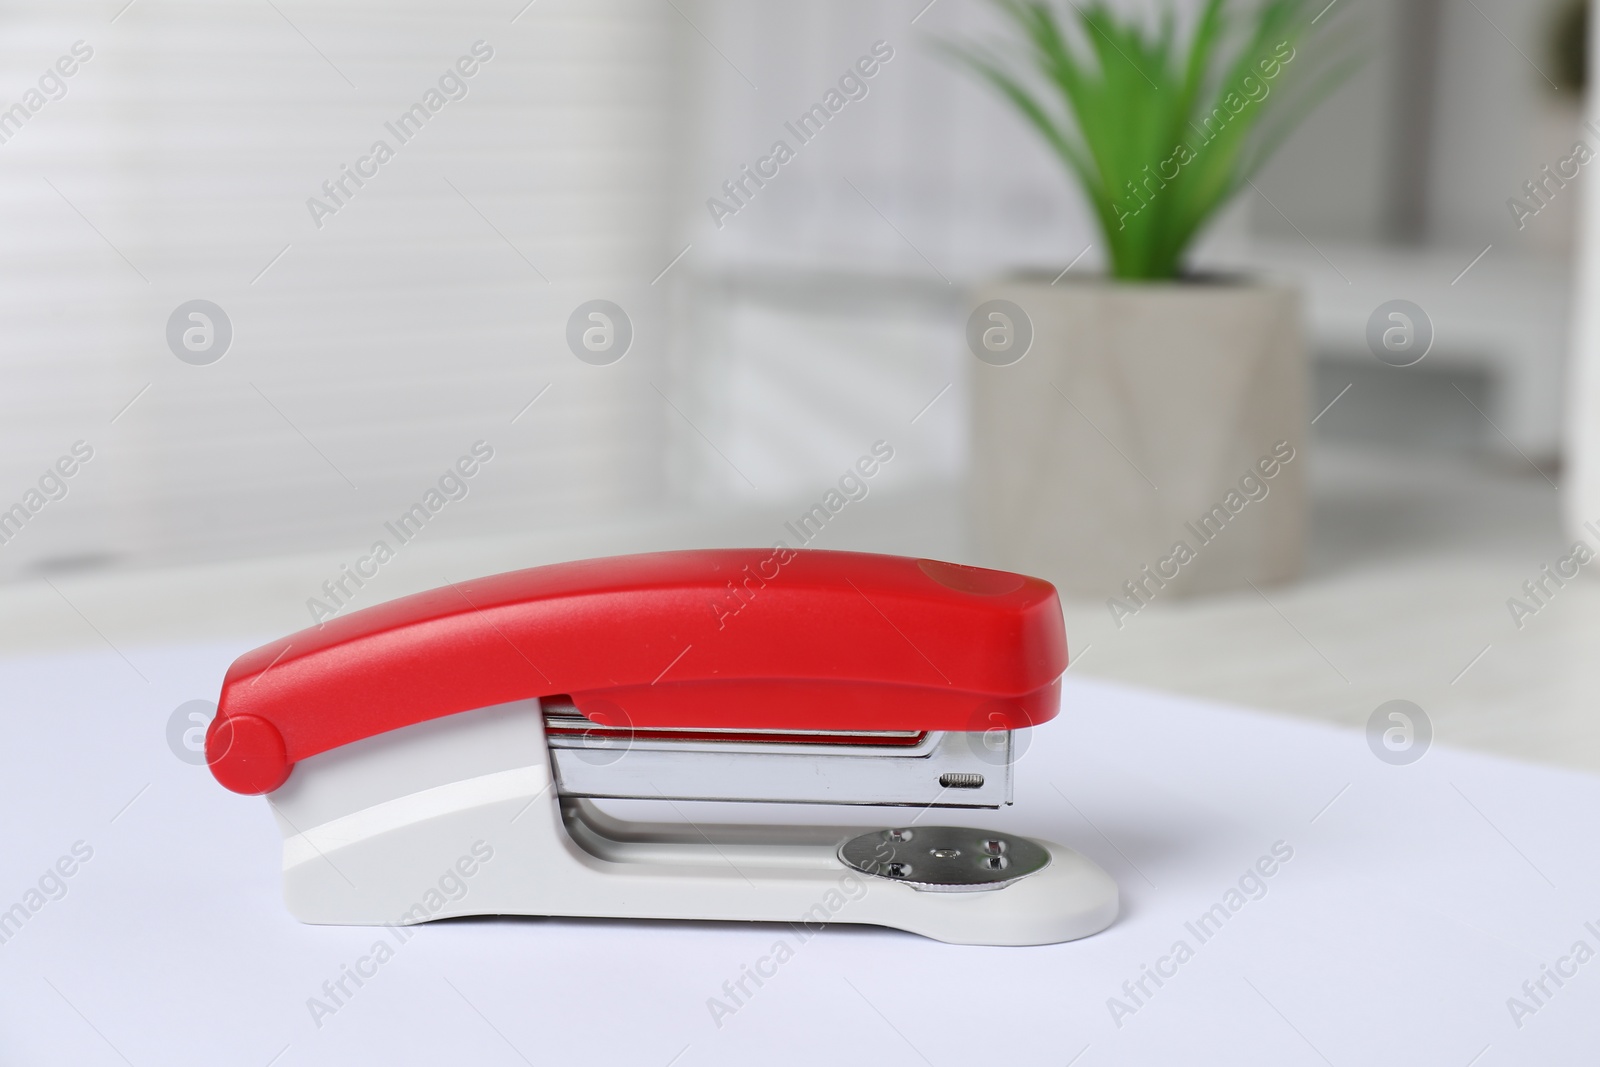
[[1414, 906]]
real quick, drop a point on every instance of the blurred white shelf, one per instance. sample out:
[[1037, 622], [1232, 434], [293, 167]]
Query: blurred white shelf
[[1507, 314], [1412, 559]]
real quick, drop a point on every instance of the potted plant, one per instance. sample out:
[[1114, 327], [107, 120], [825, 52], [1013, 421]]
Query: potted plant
[[1125, 427]]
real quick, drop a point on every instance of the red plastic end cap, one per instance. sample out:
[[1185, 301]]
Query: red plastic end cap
[[975, 580], [247, 754]]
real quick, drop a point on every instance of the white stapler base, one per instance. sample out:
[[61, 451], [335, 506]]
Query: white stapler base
[[391, 831]]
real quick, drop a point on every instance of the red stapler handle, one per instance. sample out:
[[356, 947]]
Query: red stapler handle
[[729, 638]]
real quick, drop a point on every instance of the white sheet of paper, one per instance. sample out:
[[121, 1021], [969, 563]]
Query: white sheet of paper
[[1418, 901]]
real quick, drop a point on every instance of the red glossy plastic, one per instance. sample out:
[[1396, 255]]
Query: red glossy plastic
[[721, 638]]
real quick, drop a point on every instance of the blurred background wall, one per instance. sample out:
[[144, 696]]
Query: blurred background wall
[[371, 347], [375, 344], [371, 350]]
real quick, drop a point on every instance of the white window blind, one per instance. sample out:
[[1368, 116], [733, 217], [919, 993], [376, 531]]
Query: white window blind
[[368, 353]]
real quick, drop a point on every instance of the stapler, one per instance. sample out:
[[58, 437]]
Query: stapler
[[463, 751]]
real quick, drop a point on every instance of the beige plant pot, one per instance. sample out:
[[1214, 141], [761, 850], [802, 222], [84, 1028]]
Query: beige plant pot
[[1151, 442]]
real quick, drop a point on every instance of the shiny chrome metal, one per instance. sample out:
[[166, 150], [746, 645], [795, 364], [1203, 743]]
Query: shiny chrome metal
[[945, 859], [938, 769], [961, 780]]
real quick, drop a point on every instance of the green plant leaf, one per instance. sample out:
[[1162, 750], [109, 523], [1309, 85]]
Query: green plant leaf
[[1158, 133]]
